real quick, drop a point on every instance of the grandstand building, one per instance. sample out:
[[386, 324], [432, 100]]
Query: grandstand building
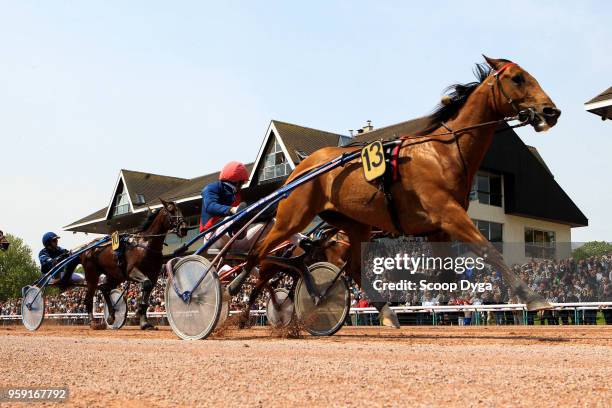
[[515, 198]]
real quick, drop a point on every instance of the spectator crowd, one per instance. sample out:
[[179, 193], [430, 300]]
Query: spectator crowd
[[563, 281]]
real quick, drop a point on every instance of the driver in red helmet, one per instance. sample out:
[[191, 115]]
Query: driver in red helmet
[[221, 198]]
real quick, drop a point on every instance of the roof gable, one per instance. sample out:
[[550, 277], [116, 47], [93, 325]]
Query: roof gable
[[302, 141]]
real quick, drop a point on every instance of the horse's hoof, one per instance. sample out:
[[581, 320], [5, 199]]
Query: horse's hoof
[[147, 326], [110, 320], [388, 317], [97, 326], [538, 304]]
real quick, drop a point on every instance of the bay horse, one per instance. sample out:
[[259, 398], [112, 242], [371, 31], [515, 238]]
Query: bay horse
[[436, 167], [142, 262], [4, 244]]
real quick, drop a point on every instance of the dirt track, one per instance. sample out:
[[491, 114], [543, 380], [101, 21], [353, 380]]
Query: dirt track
[[414, 366]]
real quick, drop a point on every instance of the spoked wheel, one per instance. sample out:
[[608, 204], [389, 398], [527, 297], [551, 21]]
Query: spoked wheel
[[329, 315], [120, 305], [196, 318], [32, 308], [281, 316]]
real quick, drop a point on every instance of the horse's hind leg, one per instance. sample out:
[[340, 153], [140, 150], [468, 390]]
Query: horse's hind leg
[[293, 216], [146, 289]]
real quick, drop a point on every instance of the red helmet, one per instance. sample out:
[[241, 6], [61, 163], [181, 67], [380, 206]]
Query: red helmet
[[235, 172]]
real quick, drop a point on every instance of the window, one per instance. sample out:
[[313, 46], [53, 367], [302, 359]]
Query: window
[[275, 163], [540, 244], [122, 204], [491, 230], [140, 199], [487, 189]]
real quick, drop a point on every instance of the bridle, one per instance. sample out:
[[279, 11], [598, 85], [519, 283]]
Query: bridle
[[176, 220], [500, 86], [524, 115], [175, 224]]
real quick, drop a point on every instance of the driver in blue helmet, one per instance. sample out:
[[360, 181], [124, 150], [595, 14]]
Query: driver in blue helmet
[[51, 255]]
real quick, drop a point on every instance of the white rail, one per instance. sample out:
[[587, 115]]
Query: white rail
[[371, 310]]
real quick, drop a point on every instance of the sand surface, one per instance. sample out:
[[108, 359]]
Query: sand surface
[[358, 367]]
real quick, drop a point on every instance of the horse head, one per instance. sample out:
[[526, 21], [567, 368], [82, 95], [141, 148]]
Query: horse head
[[173, 218], [516, 92], [4, 244]]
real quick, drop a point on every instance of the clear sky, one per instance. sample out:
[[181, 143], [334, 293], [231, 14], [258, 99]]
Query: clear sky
[[179, 88]]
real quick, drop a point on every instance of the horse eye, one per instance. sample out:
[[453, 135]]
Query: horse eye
[[518, 79]]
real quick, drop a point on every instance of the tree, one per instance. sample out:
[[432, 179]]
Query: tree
[[17, 268], [593, 248]]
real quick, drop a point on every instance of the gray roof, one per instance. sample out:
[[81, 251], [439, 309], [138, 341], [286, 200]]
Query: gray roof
[[155, 186], [91, 217], [605, 95], [390, 132], [301, 139], [149, 185]]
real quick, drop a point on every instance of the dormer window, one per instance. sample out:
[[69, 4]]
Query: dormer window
[[275, 163], [122, 204], [140, 199]]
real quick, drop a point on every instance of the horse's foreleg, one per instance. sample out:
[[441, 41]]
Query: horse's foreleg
[[91, 278], [457, 223], [358, 233], [92, 285], [89, 302], [146, 288]]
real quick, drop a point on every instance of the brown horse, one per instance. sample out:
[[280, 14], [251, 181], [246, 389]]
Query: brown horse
[[4, 244], [142, 261], [436, 169]]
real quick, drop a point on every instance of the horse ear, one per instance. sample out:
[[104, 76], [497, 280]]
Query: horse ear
[[493, 63], [164, 203]]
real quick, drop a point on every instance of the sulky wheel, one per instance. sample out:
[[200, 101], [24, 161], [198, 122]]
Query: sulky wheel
[[281, 315], [329, 315], [197, 317], [32, 308], [120, 305]]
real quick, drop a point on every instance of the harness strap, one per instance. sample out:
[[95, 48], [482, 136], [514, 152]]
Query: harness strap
[[391, 151], [394, 158]]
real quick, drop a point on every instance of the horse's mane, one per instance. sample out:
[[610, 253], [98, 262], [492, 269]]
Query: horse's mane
[[149, 220], [457, 96]]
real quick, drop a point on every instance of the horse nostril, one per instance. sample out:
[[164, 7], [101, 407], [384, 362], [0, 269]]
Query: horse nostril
[[550, 111]]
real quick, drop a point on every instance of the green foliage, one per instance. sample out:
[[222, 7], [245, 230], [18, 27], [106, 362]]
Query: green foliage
[[17, 268], [593, 248]]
